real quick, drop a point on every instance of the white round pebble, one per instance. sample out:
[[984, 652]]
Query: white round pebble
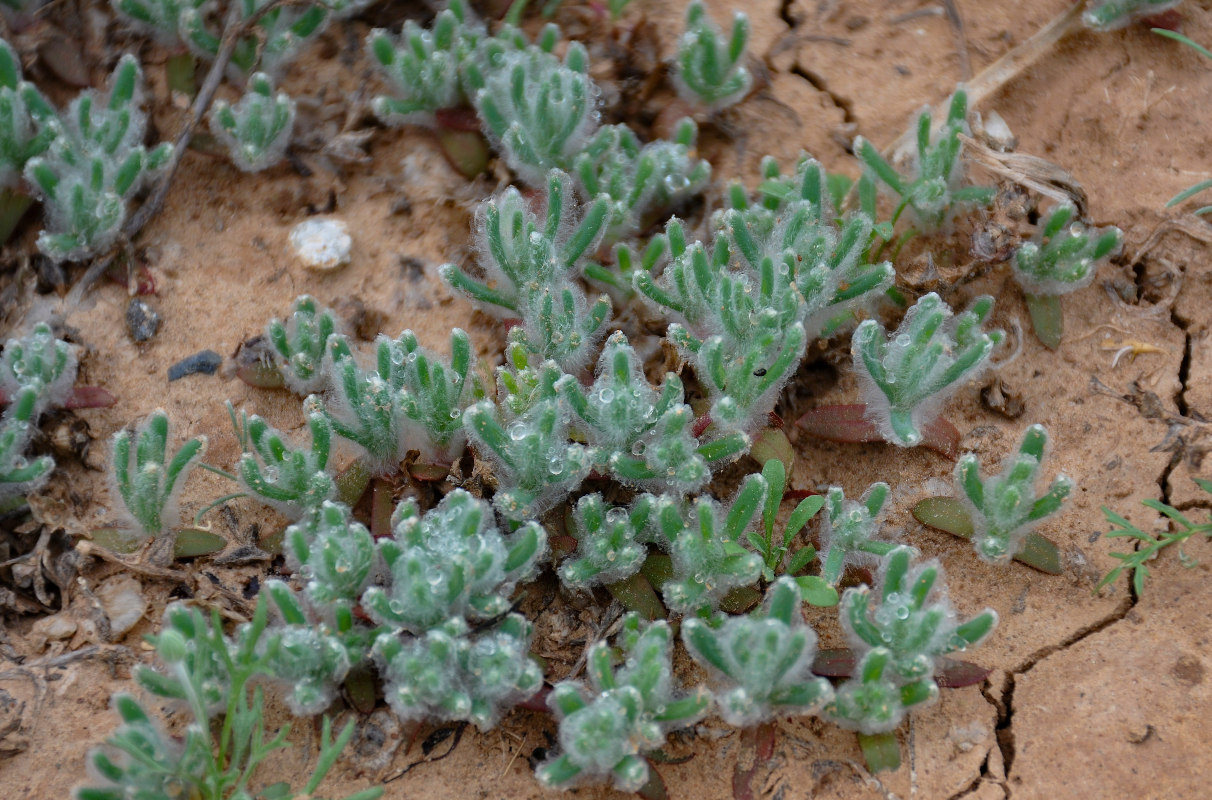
[[322, 244]]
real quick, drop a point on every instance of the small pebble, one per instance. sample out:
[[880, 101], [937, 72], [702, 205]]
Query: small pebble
[[124, 604], [142, 321], [206, 362], [321, 243]]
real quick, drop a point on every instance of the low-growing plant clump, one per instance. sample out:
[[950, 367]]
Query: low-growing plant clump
[[583, 454]]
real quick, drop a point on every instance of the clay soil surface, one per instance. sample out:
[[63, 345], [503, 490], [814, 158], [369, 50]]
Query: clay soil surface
[[1093, 693]]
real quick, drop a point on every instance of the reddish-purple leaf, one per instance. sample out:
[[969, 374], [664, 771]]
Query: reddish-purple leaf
[[951, 674], [89, 397], [459, 118], [955, 674], [757, 748], [81, 397], [538, 702], [848, 424], [835, 663]]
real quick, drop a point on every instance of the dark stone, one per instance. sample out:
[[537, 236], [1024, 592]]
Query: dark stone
[[142, 321], [206, 362]]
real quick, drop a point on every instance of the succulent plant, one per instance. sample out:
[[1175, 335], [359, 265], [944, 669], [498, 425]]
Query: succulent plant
[[709, 69], [28, 122], [19, 474], [704, 541], [300, 343], [765, 658], [94, 167], [872, 701], [539, 111], [609, 541], [278, 33], [257, 129], [848, 531], [161, 18], [448, 673], [627, 711], [933, 192], [424, 66], [639, 178], [40, 362], [791, 245], [533, 462], [450, 563], [905, 377], [1004, 507], [741, 337], [529, 262], [641, 438], [334, 555], [290, 481], [147, 482], [431, 393], [1064, 254], [914, 619]]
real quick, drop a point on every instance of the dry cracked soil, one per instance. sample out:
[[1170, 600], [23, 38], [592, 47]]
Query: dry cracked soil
[[1092, 694]]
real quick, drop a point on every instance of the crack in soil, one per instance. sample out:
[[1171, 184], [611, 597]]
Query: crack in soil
[[786, 16], [1005, 724], [982, 777], [818, 83]]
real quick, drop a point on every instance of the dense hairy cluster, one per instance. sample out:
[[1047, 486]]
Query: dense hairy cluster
[[583, 453]]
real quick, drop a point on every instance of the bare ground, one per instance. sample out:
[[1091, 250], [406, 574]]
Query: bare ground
[[1098, 694]]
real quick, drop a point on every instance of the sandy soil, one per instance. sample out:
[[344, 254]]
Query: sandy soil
[[1100, 694]]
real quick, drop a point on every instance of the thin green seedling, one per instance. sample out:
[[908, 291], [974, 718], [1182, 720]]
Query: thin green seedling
[[1110, 15], [1202, 185], [775, 551], [210, 674], [1150, 545]]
